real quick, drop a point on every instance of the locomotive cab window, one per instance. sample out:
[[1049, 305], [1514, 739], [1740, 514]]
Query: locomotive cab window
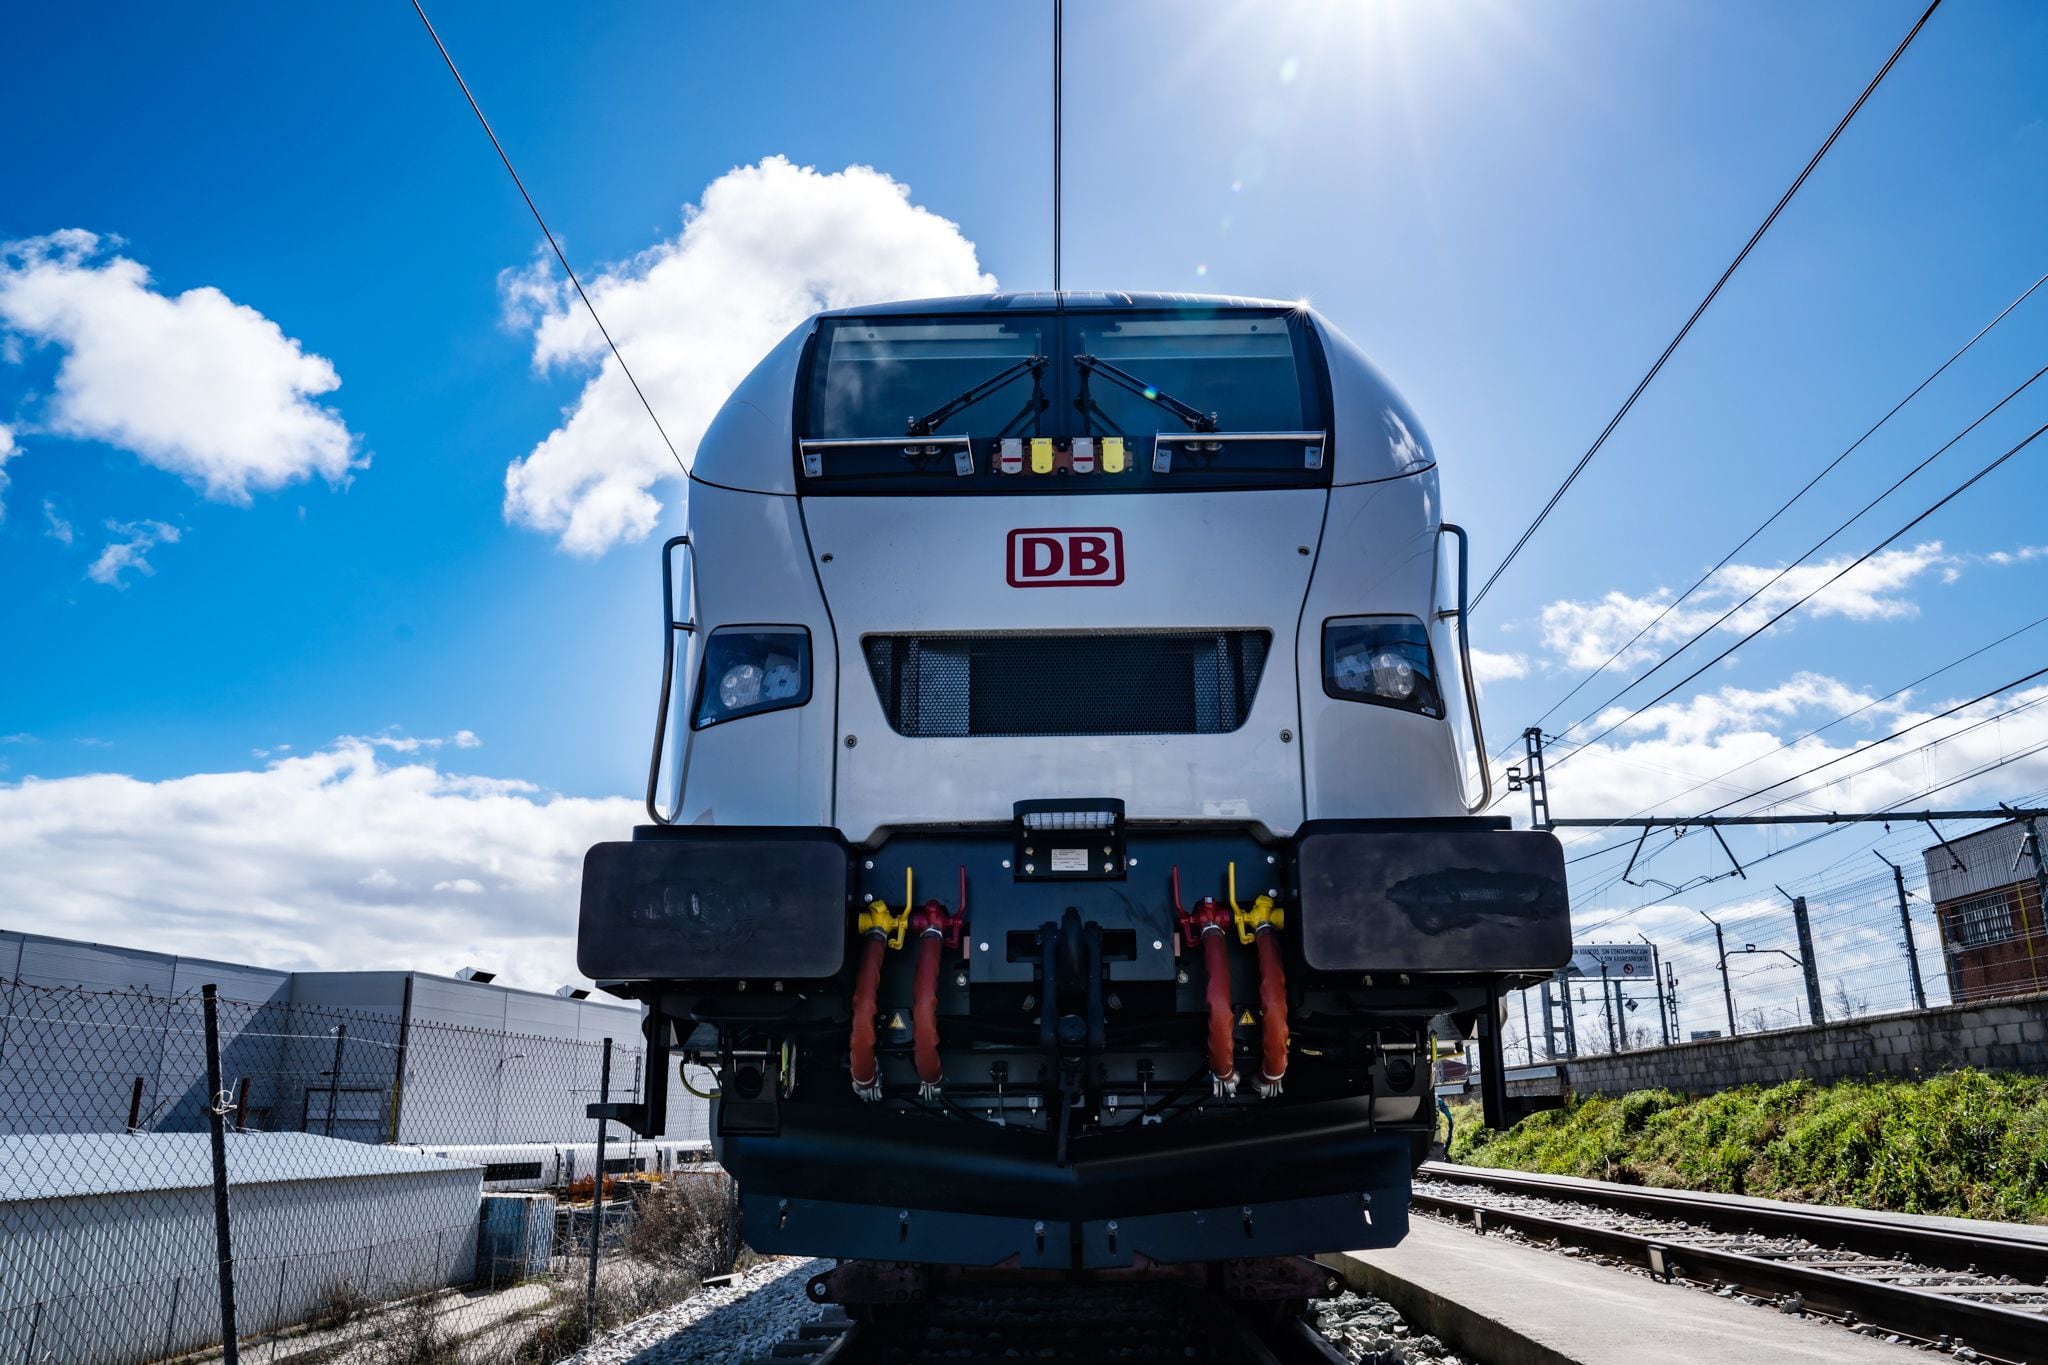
[[1079, 401]]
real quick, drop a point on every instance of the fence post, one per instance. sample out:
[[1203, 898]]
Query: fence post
[[135, 1106], [171, 1320], [277, 1308], [398, 1062], [604, 1094], [230, 1350], [334, 1078]]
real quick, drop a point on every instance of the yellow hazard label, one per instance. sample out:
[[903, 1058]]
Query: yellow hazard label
[[1247, 1019], [896, 1020]]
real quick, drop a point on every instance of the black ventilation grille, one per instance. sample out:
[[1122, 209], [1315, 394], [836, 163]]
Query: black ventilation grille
[[1169, 682]]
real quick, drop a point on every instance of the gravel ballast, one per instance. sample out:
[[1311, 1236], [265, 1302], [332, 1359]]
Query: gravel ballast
[[767, 1304], [716, 1326]]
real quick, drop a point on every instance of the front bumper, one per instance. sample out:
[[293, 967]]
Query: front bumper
[[701, 903]]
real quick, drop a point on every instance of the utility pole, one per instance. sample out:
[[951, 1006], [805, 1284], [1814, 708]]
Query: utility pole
[[1721, 951], [1607, 1004], [1657, 984], [1671, 999], [1528, 1038], [1532, 777], [1906, 928], [2033, 847], [1815, 1014]]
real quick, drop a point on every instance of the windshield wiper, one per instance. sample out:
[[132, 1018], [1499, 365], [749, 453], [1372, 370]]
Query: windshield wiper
[[928, 424], [1196, 419]]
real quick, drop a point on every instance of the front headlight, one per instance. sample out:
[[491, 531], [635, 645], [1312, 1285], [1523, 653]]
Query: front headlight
[[748, 670], [1383, 660]]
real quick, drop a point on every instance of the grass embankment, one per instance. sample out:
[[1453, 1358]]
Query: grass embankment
[[1969, 1144]]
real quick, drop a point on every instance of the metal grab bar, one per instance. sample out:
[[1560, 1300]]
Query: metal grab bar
[[1465, 666], [669, 627]]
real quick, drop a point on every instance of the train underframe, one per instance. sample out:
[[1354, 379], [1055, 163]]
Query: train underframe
[[1072, 1043]]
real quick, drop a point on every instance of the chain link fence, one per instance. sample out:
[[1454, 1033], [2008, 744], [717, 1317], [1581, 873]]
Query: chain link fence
[[188, 1176]]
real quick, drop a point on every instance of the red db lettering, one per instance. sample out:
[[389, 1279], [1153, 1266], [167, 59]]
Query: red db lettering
[[1065, 557]]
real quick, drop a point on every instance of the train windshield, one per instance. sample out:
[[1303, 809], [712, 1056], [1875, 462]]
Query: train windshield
[[1067, 402]]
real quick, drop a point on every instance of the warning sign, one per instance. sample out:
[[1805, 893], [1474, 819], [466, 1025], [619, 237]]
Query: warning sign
[[1626, 961]]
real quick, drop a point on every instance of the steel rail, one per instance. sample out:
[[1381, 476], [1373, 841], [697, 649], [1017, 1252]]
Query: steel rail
[[1985, 1251], [1992, 1330]]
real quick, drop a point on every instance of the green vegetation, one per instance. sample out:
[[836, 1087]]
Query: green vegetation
[[1969, 1144]]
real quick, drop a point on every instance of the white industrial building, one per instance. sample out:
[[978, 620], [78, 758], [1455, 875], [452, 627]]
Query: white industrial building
[[426, 1058], [107, 1248]]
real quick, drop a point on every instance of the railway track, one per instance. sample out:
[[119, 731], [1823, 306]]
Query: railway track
[[1981, 1293], [1089, 1324]]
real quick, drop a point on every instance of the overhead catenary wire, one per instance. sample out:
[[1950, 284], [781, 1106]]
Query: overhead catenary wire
[[1059, 43], [1777, 577], [556, 246], [1787, 504], [1720, 777], [1923, 794], [1704, 303], [1804, 598]]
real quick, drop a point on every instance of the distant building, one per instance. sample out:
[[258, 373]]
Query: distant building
[[1992, 938]]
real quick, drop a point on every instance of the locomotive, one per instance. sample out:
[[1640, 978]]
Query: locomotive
[[1071, 844]]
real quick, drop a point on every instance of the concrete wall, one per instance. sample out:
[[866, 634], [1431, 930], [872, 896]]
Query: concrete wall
[[2004, 1035]]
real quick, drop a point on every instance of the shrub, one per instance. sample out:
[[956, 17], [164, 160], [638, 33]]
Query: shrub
[[1965, 1143]]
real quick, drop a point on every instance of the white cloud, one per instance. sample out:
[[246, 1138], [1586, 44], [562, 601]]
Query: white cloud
[[767, 246], [461, 886], [412, 744], [1583, 634], [122, 555], [8, 450], [57, 528], [1488, 666], [308, 863], [196, 384]]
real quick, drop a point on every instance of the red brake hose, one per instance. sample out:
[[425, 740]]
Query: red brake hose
[[924, 1009], [1222, 1059], [1273, 1001], [867, 985]]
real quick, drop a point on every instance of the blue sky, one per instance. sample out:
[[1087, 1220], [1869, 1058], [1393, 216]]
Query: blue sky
[[1511, 208]]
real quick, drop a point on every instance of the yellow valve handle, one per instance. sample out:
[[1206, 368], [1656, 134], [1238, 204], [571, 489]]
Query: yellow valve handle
[[1264, 914], [877, 918]]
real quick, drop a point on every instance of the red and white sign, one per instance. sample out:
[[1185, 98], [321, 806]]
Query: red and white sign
[[1066, 557]]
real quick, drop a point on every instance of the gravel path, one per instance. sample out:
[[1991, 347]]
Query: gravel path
[[743, 1319]]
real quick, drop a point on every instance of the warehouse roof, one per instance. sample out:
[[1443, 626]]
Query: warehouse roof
[[64, 1165]]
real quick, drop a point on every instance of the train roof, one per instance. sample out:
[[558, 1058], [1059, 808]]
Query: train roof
[[1075, 300]]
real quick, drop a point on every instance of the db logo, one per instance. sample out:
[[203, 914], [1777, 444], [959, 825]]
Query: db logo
[[1066, 557]]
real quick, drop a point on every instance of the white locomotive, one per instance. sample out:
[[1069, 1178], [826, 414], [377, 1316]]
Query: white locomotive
[[1073, 831]]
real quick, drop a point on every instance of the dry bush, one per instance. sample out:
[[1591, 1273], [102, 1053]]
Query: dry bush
[[411, 1334], [680, 1227], [339, 1304]]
